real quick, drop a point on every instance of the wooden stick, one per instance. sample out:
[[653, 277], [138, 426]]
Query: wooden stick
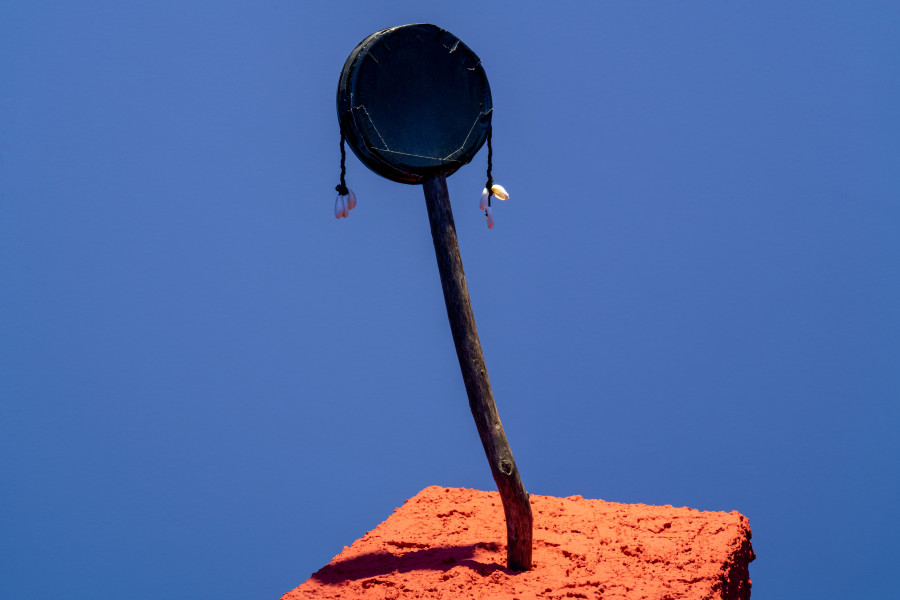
[[516, 505]]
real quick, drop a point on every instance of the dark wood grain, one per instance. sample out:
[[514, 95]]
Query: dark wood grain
[[516, 505]]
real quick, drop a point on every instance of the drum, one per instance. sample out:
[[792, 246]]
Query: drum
[[414, 102]]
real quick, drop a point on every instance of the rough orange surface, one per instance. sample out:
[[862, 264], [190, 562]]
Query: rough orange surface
[[448, 543]]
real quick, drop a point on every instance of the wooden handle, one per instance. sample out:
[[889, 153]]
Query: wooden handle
[[516, 506]]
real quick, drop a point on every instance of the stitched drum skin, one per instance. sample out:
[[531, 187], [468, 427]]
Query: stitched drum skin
[[414, 102]]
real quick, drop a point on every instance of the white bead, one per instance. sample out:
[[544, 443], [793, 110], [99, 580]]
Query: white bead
[[500, 192]]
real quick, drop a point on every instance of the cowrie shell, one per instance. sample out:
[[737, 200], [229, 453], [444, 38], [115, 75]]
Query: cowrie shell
[[490, 217], [340, 207], [351, 199], [500, 192], [484, 199]]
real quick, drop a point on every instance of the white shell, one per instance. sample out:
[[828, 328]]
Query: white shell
[[500, 192], [346, 207], [490, 218], [484, 199], [351, 199], [340, 204]]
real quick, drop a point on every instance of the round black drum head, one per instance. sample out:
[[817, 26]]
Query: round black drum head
[[414, 102]]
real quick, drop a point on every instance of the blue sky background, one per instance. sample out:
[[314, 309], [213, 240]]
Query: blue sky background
[[209, 385]]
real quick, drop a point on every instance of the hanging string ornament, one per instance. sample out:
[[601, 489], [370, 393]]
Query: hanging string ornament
[[346, 199], [490, 188]]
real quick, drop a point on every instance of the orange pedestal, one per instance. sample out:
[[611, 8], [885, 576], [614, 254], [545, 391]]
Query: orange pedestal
[[449, 543]]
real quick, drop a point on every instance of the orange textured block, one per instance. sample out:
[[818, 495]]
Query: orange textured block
[[448, 543]]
